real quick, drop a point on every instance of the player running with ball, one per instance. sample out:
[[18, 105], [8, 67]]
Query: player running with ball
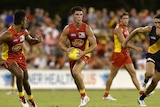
[[80, 36]]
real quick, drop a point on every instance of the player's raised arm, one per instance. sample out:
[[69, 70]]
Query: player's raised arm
[[33, 40], [4, 37], [145, 29]]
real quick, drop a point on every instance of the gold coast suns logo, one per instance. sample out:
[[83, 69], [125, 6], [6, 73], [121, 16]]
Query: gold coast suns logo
[[17, 47], [77, 42]]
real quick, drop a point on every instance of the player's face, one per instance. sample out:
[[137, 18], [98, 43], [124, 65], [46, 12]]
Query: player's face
[[157, 22], [125, 20], [78, 16]]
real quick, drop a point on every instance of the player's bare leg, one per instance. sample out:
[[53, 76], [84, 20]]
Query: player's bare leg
[[27, 88], [76, 73], [113, 73], [150, 88], [155, 80], [12, 90], [132, 73], [18, 72], [150, 69]]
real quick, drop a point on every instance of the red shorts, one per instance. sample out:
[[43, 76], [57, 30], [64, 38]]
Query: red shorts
[[120, 59], [20, 60], [84, 58]]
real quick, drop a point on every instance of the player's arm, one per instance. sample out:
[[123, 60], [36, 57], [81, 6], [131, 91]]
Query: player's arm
[[145, 29], [4, 37], [26, 47], [32, 41], [91, 39], [119, 32], [63, 39]]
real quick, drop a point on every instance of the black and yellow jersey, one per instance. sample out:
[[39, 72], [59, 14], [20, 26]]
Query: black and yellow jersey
[[154, 46]]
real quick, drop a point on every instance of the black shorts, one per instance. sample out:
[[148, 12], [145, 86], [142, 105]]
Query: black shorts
[[155, 58]]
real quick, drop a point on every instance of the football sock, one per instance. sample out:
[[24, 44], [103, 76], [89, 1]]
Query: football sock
[[21, 94], [141, 92], [82, 92], [30, 97], [12, 88], [106, 93], [142, 97]]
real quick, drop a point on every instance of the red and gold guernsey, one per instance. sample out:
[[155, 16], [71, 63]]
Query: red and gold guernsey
[[78, 37], [120, 55], [15, 45], [117, 43], [12, 50]]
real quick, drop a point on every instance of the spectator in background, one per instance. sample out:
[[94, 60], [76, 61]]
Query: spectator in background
[[112, 20], [158, 11], [134, 18], [85, 17], [9, 18], [105, 18], [30, 17], [39, 16], [92, 19], [69, 19], [57, 21]]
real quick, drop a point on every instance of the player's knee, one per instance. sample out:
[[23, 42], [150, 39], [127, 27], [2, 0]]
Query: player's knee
[[19, 75], [75, 74], [25, 81]]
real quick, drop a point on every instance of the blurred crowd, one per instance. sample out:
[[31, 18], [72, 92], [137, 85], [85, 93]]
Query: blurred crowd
[[47, 55]]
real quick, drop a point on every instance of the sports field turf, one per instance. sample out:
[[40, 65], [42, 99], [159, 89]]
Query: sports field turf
[[70, 98]]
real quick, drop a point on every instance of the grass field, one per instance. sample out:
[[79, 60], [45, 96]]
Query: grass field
[[70, 98]]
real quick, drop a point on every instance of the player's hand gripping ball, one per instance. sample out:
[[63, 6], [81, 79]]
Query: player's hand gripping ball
[[73, 55]]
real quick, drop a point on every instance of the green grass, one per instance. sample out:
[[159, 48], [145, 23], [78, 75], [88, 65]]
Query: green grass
[[70, 98]]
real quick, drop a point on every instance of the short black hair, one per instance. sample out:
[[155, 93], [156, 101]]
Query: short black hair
[[19, 16], [124, 14], [157, 16], [76, 8]]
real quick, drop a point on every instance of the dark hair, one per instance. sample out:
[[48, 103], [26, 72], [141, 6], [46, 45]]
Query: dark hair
[[19, 16], [124, 14], [157, 16], [76, 8]]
